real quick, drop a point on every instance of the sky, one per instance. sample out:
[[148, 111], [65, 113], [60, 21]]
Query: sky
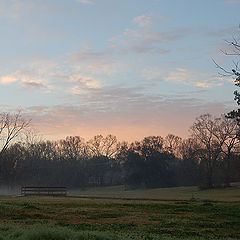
[[131, 68]]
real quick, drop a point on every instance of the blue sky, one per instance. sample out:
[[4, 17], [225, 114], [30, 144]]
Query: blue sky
[[132, 68]]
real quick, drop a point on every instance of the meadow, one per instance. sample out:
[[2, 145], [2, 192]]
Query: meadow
[[99, 217], [169, 194]]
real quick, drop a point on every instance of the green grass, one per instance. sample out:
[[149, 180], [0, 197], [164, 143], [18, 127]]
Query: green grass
[[106, 214], [175, 193], [40, 232], [32, 218]]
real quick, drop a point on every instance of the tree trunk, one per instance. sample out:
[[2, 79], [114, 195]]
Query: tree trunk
[[227, 172]]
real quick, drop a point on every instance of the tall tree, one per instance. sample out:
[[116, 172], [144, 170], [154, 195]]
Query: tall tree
[[216, 136], [226, 133], [11, 125], [147, 164], [233, 51], [103, 146], [189, 173], [172, 144], [73, 148]]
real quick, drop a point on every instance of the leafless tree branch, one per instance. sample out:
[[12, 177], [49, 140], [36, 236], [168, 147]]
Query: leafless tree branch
[[11, 125]]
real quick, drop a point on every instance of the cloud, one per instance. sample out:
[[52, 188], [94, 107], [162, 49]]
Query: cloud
[[143, 48], [233, 1], [106, 67], [85, 1], [17, 9], [11, 9], [8, 79], [96, 63], [194, 78], [143, 41], [82, 84], [181, 76], [152, 73], [32, 79], [152, 37], [133, 118], [222, 32], [29, 79], [89, 55], [31, 84], [143, 20], [146, 20], [110, 95], [64, 77]]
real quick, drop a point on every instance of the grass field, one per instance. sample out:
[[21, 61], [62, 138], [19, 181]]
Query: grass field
[[176, 193], [32, 218], [45, 218]]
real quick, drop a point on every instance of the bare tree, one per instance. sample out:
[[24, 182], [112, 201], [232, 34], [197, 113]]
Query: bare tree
[[73, 147], [172, 144], [216, 136], [104, 146], [11, 125], [189, 165], [234, 51], [31, 136], [202, 130], [226, 133]]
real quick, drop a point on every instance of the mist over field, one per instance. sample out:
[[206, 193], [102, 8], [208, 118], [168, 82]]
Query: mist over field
[[10, 191]]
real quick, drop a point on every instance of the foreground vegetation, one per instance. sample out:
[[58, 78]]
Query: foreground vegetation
[[72, 218]]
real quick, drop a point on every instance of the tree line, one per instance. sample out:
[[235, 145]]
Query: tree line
[[208, 158]]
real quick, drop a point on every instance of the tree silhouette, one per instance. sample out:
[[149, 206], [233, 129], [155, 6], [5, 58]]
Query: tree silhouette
[[11, 125], [234, 51], [235, 114]]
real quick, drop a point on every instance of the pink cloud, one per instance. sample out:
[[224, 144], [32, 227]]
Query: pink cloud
[[128, 120], [143, 20], [195, 78], [27, 78], [8, 79], [85, 1]]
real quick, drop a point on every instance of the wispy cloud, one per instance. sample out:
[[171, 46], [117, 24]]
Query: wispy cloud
[[85, 1], [147, 116], [28, 79], [143, 20], [8, 79], [194, 78], [182, 76], [233, 1], [106, 67], [150, 36], [88, 61], [11, 9], [88, 55], [147, 40], [17, 9], [73, 76], [222, 32], [83, 83], [152, 74], [142, 41], [32, 84]]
